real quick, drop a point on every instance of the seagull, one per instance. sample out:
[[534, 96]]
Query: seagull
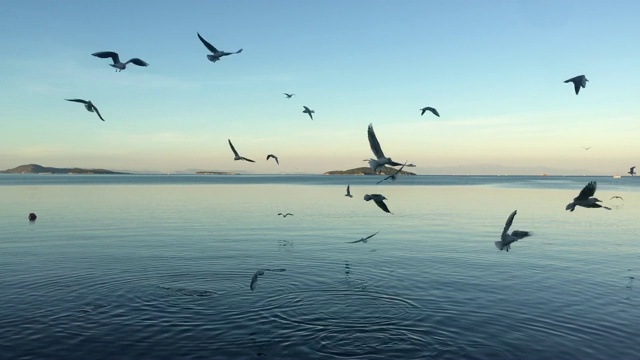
[[216, 54], [578, 81], [379, 200], [394, 175], [274, 157], [116, 60], [364, 239], [380, 159], [632, 171], [285, 215], [586, 199], [617, 197], [236, 155], [308, 111], [348, 191], [586, 148], [429, 108], [507, 239], [254, 278], [288, 95], [88, 105]]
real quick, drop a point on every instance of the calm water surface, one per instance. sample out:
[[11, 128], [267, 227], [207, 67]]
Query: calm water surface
[[158, 267]]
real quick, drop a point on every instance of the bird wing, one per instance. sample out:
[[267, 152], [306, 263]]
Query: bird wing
[[96, 111], [233, 148], [79, 101], [348, 189], [276, 159], [137, 61], [372, 235], [374, 144], [238, 52], [519, 234], [588, 191], [507, 225], [576, 87], [356, 241], [631, 169], [254, 279], [423, 111], [382, 205], [208, 45], [108, 54], [434, 111], [400, 169], [245, 159]]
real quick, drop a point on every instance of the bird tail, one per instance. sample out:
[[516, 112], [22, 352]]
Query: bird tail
[[501, 246]]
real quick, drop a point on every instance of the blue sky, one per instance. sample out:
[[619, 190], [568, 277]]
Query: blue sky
[[493, 69]]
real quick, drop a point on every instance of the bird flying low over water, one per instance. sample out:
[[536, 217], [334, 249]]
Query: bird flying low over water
[[237, 156], [586, 199], [285, 215], [348, 191], [274, 158], [507, 239], [379, 200], [394, 175], [308, 111], [380, 159], [364, 239], [429, 108], [578, 82], [215, 53], [254, 278], [617, 197], [116, 60], [288, 95], [632, 171], [88, 105]]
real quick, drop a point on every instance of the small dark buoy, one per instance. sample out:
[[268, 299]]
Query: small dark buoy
[[32, 217]]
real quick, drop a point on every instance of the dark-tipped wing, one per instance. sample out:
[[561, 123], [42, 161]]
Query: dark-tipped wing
[[631, 168], [95, 109], [108, 54], [79, 101], [245, 159], [233, 148], [588, 191], [519, 234], [434, 111], [382, 205], [348, 189], [208, 45], [370, 236], [137, 61], [398, 171], [374, 144], [507, 225]]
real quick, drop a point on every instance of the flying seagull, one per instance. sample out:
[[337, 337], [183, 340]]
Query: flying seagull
[[586, 199], [578, 81], [88, 105], [288, 95], [380, 159], [215, 53], [617, 197], [429, 108], [116, 60], [586, 148], [394, 175], [507, 239], [254, 278], [379, 200], [632, 171], [236, 155], [274, 158], [285, 215], [348, 191], [364, 239], [308, 111]]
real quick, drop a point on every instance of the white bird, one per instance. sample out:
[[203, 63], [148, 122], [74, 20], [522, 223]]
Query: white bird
[[288, 95], [632, 171], [308, 111], [116, 60], [507, 239], [617, 197], [215, 53], [380, 159], [285, 215], [429, 108], [254, 278], [578, 82], [236, 155], [586, 199], [586, 147], [364, 239], [348, 191], [379, 200], [394, 175], [274, 158], [88, 105]]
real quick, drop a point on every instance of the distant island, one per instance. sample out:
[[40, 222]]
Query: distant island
[[216, 173], [365, 170], [39, 169]]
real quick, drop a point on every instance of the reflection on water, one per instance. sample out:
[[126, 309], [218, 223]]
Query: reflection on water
[[149, 271]]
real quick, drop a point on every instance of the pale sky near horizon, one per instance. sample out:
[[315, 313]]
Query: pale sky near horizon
[[493, 69]]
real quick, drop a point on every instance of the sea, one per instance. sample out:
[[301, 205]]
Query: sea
[[160, 267]]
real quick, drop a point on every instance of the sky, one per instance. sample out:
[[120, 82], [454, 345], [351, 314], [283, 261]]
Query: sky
[[493, 69]]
